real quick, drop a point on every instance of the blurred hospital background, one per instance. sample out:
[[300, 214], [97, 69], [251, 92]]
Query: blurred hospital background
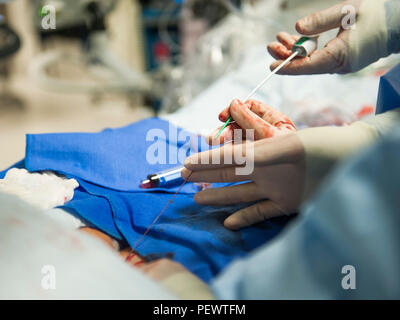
[[108, 63]]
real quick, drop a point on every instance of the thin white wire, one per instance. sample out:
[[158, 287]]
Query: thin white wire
[[270, 75]]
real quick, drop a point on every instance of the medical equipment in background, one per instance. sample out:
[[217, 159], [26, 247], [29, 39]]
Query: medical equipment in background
[[172, 29], [181, 22], [84, 19], [9, 45], [160, 24], [172, 26], [220, 50]]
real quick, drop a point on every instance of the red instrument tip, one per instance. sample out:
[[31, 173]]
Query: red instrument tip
[[148, 184]]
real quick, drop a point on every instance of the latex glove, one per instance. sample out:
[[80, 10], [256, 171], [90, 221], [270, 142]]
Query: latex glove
[[373, 36], [277, 180], [263, 119], [287, 169]]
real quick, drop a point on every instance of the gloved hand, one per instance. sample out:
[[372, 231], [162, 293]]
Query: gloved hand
[[282, 184], [287, 168], [264, 120], [374, 35], [277, 179]]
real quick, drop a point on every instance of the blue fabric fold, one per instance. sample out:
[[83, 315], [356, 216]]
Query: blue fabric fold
[[84, 205], [109, 166], [389, 91], [114, 158], [193, 235]]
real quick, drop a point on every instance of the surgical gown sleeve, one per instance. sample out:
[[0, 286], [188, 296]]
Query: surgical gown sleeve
[[353, 221], [326, 146]]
